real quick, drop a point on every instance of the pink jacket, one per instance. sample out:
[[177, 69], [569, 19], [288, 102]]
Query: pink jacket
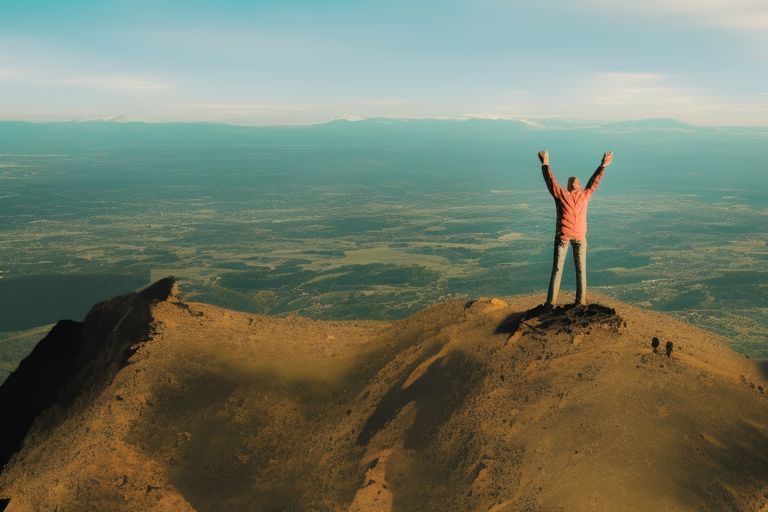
[[572, 204]]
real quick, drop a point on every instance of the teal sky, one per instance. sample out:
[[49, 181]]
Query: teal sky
[[293, 61]]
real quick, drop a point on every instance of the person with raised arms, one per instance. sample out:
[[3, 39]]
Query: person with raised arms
[[571, 204]]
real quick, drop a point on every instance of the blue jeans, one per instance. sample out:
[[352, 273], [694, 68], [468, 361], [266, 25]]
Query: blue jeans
[[579, 260]]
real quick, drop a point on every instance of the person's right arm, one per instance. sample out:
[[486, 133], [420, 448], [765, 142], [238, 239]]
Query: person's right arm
[[546, 171]]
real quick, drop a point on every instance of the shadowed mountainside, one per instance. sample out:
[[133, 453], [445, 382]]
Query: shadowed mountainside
[[75, 359], [483, 405]]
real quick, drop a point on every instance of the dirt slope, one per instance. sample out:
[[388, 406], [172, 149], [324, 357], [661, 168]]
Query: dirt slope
[[487, 405]]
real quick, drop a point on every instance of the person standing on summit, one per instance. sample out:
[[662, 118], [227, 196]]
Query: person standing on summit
[[571, 225]]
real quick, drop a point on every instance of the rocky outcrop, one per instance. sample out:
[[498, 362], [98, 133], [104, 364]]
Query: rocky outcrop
[[75, 360]]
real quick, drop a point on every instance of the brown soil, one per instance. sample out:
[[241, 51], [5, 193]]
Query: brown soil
[[487, 405]]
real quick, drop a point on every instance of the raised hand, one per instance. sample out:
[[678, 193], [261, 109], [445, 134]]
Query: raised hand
[[607, 158], [544, 157]]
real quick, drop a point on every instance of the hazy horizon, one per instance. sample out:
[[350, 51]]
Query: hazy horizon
[[535, 122]]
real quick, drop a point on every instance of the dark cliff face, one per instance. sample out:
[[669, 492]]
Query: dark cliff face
[[74, 360]]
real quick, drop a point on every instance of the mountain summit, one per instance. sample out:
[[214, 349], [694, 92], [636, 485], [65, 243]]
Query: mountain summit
[[154, 403]]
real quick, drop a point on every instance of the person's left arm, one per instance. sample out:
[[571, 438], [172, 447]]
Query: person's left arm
[[594, 181]]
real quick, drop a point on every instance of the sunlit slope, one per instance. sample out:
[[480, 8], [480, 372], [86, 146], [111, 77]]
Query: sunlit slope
[[477, 405]]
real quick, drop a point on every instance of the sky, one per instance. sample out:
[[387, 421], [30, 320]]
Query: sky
[[267, 62]]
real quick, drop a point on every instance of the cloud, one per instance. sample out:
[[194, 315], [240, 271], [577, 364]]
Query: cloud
[[376, 102], [749, 15], [245, 113], [110, 81], [349, 117], [242, 108], [495, 116], [118, 82], [613, 95], [637, 89], [485, 115], [7, 74], [603, 95], [623, 95]]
